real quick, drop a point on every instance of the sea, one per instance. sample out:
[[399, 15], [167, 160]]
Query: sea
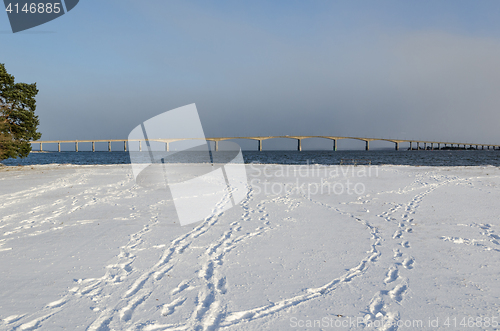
[[373, 157]]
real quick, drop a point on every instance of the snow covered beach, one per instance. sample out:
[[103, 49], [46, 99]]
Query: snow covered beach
[[310, 247]]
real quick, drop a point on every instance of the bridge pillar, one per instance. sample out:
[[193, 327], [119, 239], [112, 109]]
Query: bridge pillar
[[482, 146], [397, 146], [76, 146], [216, 145], [418, 145], [367, 147], [425, 146], [109, 146], [59, 147], [299, 145], [439, 146], [260, 145], [477, 147], [334, 144], [167, 147], [125, 145], [432, 146], [40, 147], [140, 146], [93, 146], [411, 148]]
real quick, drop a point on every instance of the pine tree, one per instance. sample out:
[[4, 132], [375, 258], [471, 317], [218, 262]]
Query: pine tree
[[18, 122], [4, 140]]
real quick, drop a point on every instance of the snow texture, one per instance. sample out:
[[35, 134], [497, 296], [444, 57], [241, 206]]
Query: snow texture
[[85, 248]]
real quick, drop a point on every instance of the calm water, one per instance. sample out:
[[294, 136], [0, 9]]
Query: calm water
[[377, 157]]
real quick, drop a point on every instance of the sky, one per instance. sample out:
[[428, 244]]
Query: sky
[[427, 70]]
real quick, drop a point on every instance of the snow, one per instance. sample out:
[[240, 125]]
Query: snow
[[85, 248]]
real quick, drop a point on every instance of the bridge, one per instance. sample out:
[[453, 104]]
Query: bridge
[[418, 143]]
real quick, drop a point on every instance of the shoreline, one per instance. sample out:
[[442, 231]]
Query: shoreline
[[310, 165]]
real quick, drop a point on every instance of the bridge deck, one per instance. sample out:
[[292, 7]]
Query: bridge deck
[[260, 139]]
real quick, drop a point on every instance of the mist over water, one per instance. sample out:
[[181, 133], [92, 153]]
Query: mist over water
[[375, 157]]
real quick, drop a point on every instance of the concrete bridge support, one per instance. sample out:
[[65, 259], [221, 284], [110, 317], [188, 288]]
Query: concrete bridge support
[[425, 146], [140, 146], [396, 146], [167, 148], [432, 146], [439, 146], [125, 145], [216, 145], [334, 145], [109, 146], [40, 147], [411, 148], [260, 145], [59, 147], [93, 146], [299, 145], [76, 146], [367, 147], [418, 145]]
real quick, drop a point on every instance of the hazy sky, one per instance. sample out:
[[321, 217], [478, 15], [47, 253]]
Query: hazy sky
[[396, 69]]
